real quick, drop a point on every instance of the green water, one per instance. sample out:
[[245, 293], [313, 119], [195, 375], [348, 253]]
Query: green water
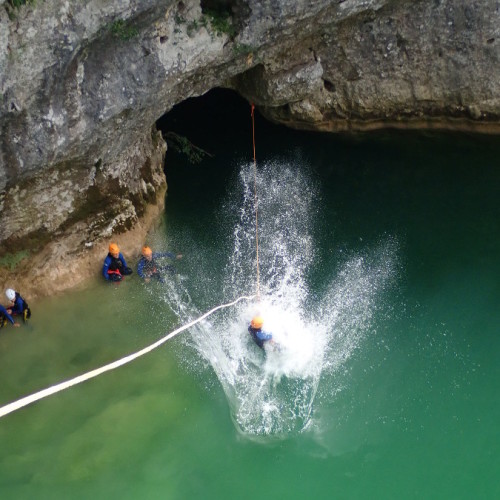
[[408, 409]]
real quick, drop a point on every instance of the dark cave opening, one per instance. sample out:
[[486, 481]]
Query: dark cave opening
[[212, 122], [218, 123]]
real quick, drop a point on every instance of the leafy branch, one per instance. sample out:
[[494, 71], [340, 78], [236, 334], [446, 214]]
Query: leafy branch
[[184, 146], [18, 3]]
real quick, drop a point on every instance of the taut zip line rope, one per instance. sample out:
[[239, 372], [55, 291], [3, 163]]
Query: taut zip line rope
[[255, 203], [16, 405]]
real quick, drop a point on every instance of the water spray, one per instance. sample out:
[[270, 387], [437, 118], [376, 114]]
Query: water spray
[[256, 204]]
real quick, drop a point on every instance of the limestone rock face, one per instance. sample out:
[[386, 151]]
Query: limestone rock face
[[424, 63], [83, 83]]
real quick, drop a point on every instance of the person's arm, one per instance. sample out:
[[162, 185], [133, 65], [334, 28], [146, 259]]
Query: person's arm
[[6, 314], [159, 255], [123, 261], [18, 306], [140, 267], [105, 268], [261, 335]]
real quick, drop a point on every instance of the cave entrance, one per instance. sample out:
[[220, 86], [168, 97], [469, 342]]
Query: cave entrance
[[208, 138], [209, 126], [219, 124], [204, 135]]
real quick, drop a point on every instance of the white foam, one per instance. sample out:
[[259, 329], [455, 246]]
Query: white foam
[[273, 392]]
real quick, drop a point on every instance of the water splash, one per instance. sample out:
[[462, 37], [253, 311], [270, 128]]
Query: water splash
[[272, 392]]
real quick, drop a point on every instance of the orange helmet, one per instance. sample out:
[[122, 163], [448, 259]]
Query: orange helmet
[[146, 251], [257, 322], [113, 248]]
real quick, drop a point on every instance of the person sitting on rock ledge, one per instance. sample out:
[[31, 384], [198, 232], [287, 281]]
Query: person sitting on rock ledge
[[17, 305], [115, 265]]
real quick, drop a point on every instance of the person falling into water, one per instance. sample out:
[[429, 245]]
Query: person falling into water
[[148, 266], [259, 336]]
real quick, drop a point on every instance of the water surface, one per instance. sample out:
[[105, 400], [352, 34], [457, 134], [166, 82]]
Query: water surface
[[379, 275]]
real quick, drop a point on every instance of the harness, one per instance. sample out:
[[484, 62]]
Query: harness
[[115, 266], [149, 268]]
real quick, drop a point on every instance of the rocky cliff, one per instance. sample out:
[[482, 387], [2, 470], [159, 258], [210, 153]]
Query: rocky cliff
[[83, 83]]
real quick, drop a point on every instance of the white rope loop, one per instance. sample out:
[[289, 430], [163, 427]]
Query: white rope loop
[[16, 405]]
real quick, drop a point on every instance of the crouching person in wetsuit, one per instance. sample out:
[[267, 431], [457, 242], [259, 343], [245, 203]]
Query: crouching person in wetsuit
[[259, 336], [17, 305], [115, 266], [148, 266], [5, 316]]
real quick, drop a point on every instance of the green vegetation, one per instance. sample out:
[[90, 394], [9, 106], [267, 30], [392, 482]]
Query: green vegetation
[[122, 30], [204, 21], [179, 19], [221, 23], [18, 3], [12, 260], [13, 5], [243, 49], [192, 26], [182, 145]]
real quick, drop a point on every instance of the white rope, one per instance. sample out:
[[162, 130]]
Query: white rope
[[16, 405]]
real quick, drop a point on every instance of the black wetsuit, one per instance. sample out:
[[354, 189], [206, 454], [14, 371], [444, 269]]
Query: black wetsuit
[[259, 336]]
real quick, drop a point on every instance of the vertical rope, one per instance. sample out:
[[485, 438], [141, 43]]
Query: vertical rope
[[255, 203]]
